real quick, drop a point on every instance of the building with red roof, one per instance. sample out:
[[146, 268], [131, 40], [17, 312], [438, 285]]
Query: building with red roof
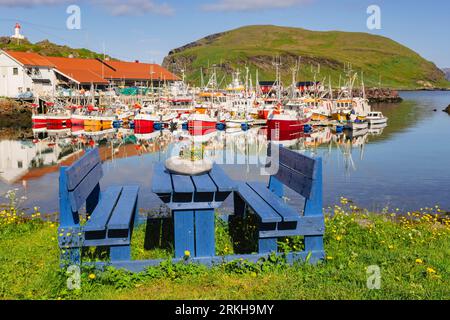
[[27, 73]]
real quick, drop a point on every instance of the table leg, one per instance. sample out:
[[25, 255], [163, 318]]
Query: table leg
[[204, 233], [184, 233]]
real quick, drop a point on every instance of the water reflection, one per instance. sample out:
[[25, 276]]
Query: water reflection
[[37, 158], [404, 165]]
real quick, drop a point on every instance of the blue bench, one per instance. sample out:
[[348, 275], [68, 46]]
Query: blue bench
[[276, 218], [111, 213]]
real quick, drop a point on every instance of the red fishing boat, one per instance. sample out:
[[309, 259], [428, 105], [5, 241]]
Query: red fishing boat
[[198, 121]]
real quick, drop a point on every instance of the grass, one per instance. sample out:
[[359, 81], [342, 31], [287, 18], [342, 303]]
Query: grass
[[378, 57], [412, 251], [48, 48]]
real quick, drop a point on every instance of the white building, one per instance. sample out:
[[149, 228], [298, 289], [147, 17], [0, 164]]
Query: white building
[[22, 73]]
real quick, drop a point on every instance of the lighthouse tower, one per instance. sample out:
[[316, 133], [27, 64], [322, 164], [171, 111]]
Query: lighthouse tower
[[17, 34]]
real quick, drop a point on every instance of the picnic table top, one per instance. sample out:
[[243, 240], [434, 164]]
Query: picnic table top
[[214, 183]]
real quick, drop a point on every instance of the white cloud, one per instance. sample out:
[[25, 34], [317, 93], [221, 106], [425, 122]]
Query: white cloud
[[115, 7], [251, 5]]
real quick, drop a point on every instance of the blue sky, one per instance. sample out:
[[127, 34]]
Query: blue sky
[[147, 29]]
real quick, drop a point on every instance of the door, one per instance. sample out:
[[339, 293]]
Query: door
[[3, 81]]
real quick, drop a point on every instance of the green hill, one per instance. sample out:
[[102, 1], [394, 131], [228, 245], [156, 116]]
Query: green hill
[[46, 48], [378, 57]]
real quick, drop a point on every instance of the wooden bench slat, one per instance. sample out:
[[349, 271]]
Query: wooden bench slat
[[79, 195], [182, 184], [257, 204], [100, 216], [288, 213], [297, 161], [223, 182], [77, 172], [294, 180], [162, 183], [124, 210], [204, 183]]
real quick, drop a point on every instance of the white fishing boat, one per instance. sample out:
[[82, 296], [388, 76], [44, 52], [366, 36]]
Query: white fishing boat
[[356, 125], [376, 118]]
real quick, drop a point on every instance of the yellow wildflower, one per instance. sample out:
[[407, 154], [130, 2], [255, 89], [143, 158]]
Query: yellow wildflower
[[419, 261], [187, 253], [431, 270], [92, 276]]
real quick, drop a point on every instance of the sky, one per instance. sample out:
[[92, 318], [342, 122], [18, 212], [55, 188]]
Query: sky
[[146, 30]]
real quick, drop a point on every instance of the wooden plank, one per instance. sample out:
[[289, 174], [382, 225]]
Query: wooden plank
[[184, 233], [221, 179], [120, 253], [67, 217], [80, 194], [294, 180], [314, 208], [204, 233], [161, 181], [288, 213], [123, 213], [182, 184], [307, 226], [204, 183], [100, 217], [81, 168], [257, 204], [297, 161], [267, 245]]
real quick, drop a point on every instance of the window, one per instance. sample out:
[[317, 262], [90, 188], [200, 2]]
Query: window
[[15, 71], [19, 164]]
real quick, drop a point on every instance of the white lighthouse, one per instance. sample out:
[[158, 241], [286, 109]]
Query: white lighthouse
[[17, 34]]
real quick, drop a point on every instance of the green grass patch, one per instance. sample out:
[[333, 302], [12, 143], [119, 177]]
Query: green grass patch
[[412, 251]]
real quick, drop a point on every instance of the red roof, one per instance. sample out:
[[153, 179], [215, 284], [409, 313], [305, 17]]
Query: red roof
[[29, 58], [82, 70], [86, 71], [139, 71]]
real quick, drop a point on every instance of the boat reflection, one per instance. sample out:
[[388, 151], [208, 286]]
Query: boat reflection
[[49, 149]]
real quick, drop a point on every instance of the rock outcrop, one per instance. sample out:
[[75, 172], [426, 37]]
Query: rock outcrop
[[447, 109]]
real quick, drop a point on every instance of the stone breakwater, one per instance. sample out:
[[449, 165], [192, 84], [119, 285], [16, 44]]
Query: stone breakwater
[[14, 114], [378, 95]]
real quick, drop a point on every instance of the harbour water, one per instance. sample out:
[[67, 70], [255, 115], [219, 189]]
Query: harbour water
[[405, 165]]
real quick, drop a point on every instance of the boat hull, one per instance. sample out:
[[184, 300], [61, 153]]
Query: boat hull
[[296, 125], [57, 122]]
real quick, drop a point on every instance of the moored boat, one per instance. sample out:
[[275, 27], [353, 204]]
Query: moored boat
[[376, 118]]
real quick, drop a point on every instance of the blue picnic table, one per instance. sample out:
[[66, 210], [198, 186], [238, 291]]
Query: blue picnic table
[[192, 201]]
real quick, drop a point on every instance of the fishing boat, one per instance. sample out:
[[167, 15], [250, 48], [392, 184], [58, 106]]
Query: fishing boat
[[201, 122], [57, 117], [287, 120], [356, 125], [149, 119], [376, 118], [78, 116]]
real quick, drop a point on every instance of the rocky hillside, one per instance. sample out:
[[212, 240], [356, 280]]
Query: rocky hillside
[[46, 48], [447, 73], [382, 60]]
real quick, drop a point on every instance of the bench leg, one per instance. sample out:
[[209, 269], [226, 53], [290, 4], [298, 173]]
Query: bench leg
[[184, 232], [120, 253], [313, 243], [267, 245], [204, 233], [239, 205], [70, 256]]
